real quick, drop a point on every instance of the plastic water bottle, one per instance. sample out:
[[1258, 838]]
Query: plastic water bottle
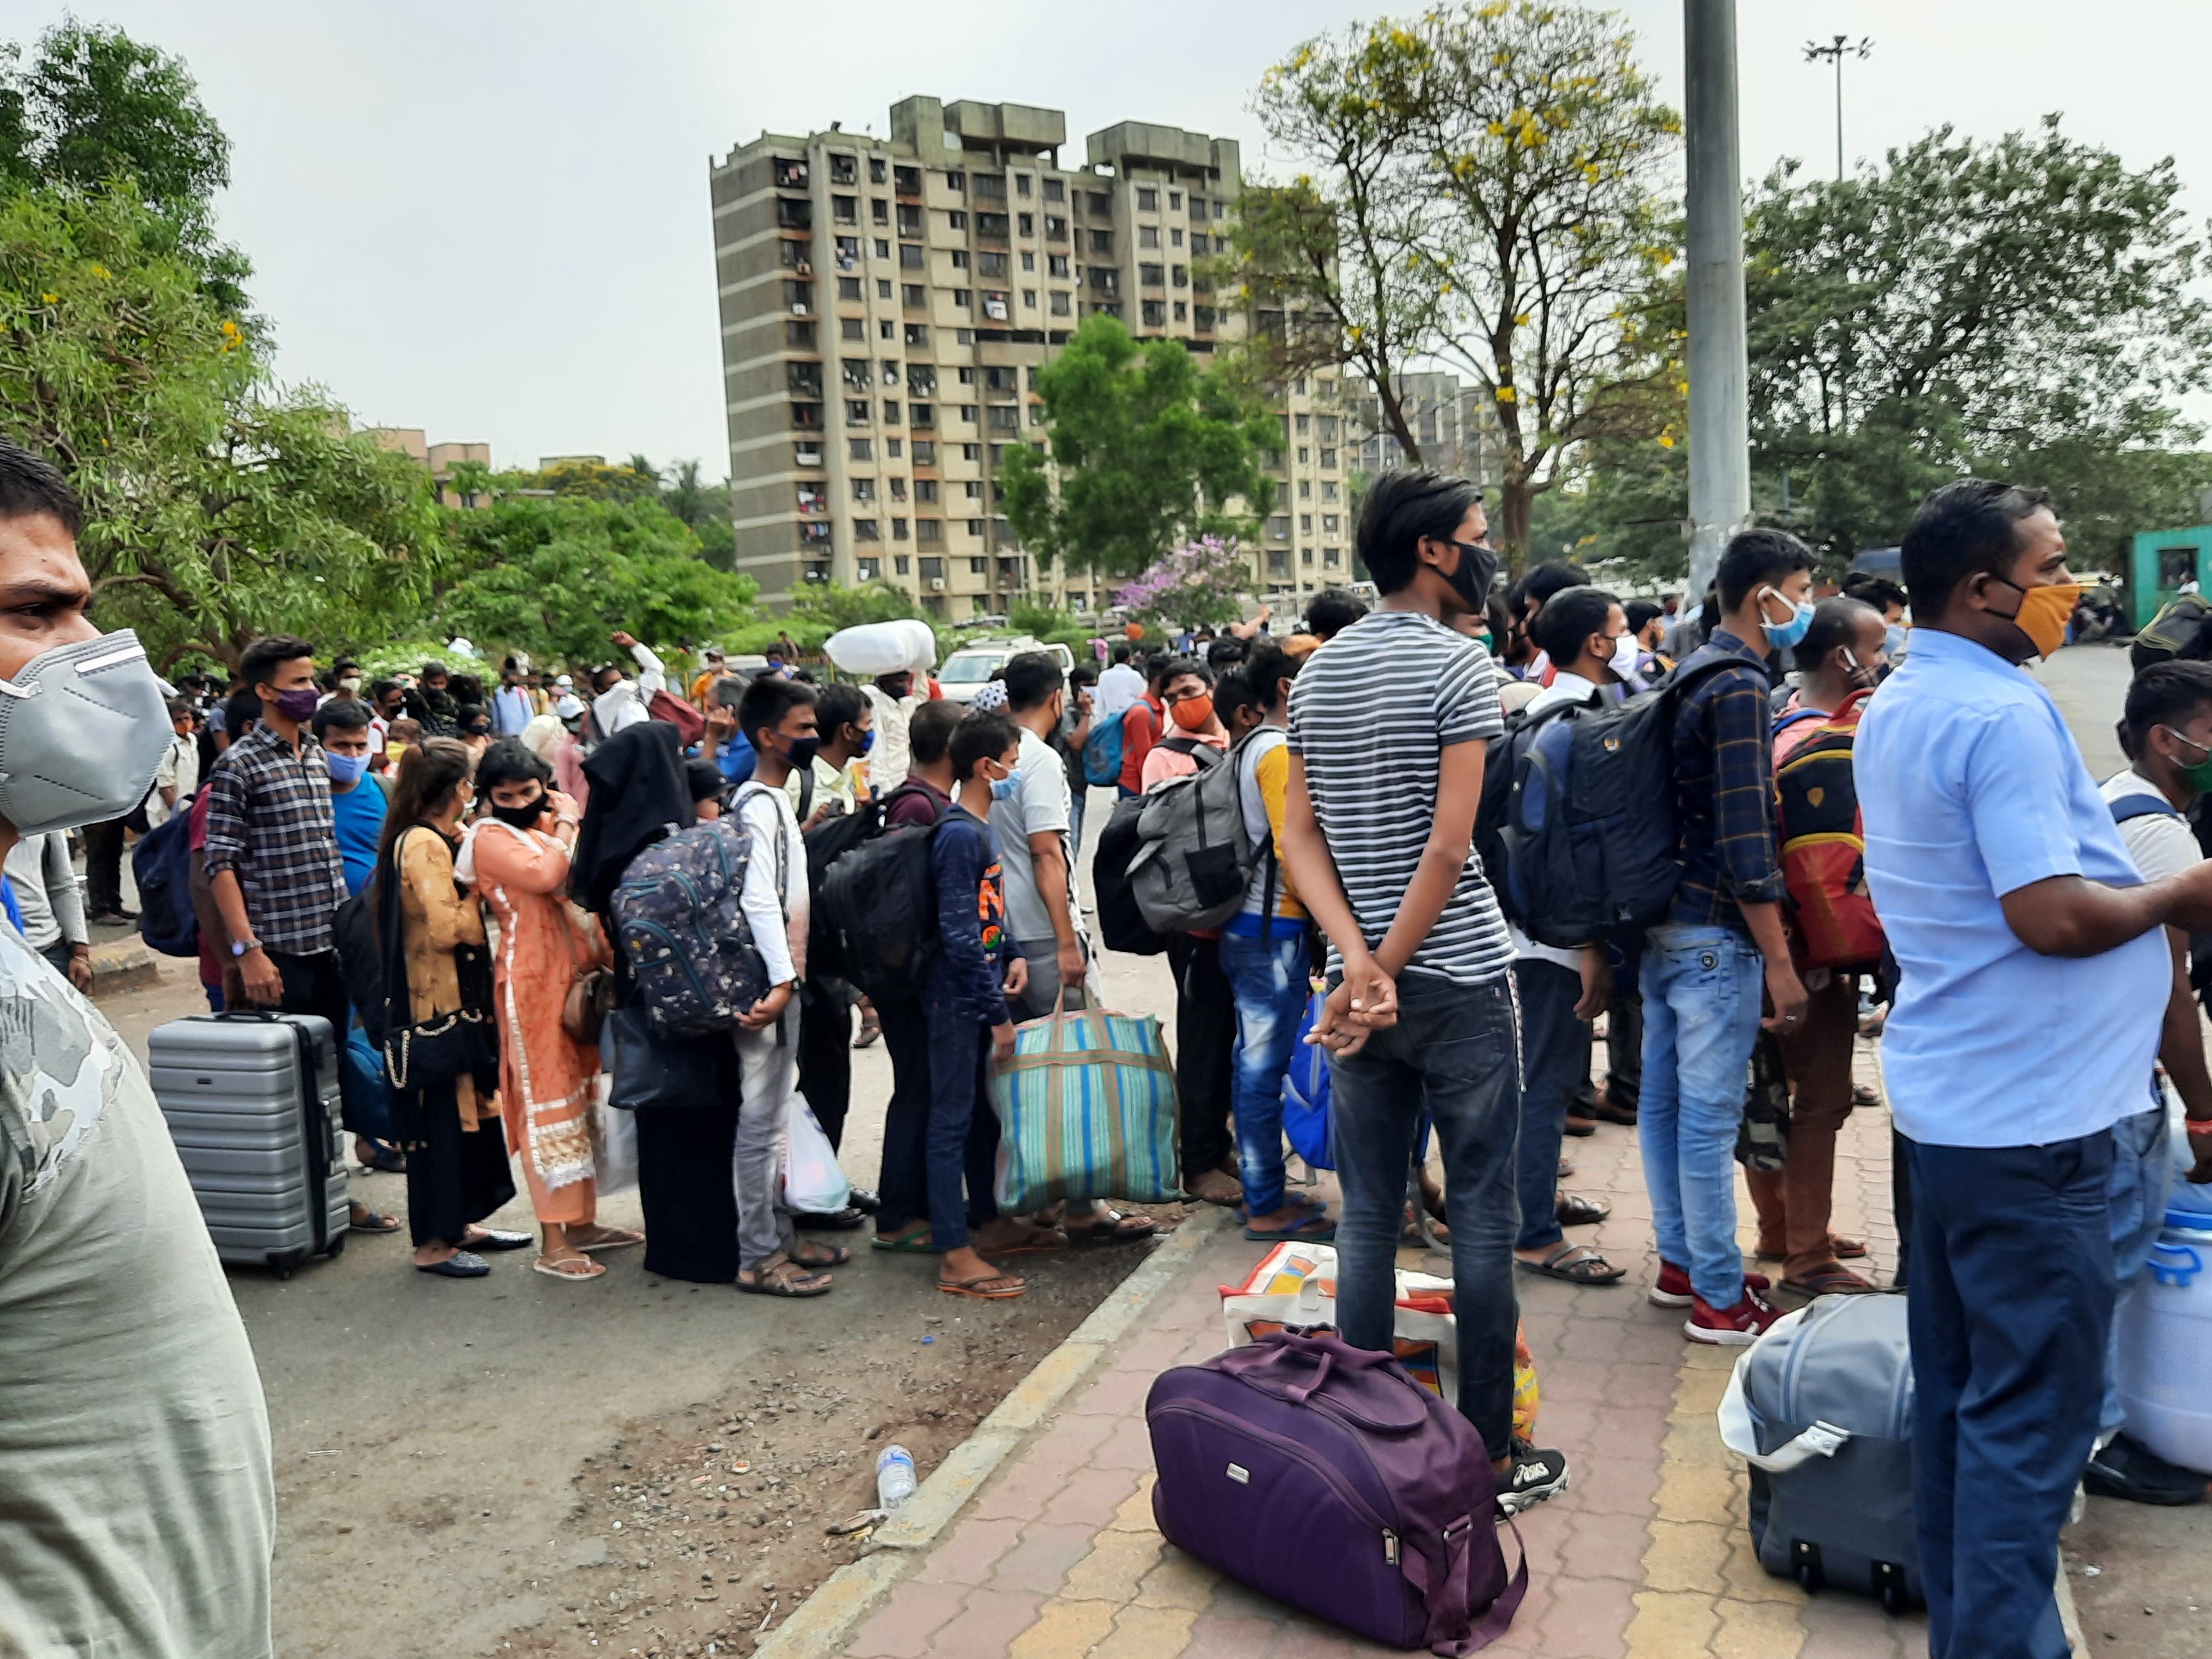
[[894, 1477]]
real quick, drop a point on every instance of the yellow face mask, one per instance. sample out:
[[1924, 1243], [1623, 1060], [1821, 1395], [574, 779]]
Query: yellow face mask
[[2045, 613]]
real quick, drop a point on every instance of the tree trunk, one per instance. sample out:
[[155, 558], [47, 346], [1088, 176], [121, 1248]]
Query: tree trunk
[[1508, 532]]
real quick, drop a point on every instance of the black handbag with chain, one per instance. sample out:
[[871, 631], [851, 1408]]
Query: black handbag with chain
[[438, 1051]]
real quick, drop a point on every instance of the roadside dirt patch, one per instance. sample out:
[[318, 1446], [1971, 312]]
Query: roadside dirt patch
[[714, 1517]]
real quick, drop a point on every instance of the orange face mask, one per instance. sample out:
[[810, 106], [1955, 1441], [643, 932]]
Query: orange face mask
[[1194, 713], [2044, 614]]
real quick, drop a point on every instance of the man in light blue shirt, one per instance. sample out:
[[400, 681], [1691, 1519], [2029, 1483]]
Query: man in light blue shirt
[[2034, 973]]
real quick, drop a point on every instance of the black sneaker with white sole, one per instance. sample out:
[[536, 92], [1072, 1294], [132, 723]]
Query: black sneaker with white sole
[[1537, 1474], [2131, 1470]]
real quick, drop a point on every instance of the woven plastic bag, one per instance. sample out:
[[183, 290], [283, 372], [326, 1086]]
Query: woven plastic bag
[[1295, 1283], [1086, 1109]]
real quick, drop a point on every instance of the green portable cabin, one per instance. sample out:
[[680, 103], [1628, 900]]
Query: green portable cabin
[[2164, 559]]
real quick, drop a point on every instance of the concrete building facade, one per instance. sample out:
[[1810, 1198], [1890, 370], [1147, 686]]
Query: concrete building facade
[[886, 304]]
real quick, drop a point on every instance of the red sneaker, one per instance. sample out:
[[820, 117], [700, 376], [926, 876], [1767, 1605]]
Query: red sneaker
[[1673, 1289], [1730, 1327]]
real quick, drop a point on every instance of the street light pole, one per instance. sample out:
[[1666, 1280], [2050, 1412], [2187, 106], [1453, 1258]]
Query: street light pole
[[1720, 437], [1836, 50]]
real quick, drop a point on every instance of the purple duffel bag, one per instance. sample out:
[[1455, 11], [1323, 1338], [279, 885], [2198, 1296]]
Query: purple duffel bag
[[1323, 1475]]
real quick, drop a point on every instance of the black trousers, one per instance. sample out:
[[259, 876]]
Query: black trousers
[[454, 1178], [1206, 1049], [313, 985], [825, 1059], [690, 1200], [1624, 1048], [903, 1186], [103, 868]]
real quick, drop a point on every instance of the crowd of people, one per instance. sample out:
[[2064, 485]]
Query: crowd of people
[[487, 831]]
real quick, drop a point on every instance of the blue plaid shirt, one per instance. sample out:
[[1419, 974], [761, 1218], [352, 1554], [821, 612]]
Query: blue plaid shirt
[[1724, 791], [269, 822]]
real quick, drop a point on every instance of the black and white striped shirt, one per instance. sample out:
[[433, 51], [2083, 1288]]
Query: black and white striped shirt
[[1370, 715]]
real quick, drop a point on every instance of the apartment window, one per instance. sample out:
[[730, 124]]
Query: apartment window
[[884, 252], [845, 210], [922, 378], [1101, 241], [892, 449], [1174, 238], [915, 295], [798, 295], [963, 298], [1056, 264], [1059, 305], [910, 256], [1155, 314], [814, 532], [794, 216], [1148, 201], [1332, 524], [1201, 319], [1221, 209], [1305, 554], [1022, 182], [803, 379], [924, 415], [867, 530], [1328, 426], [1148, 235], [856, 411], [1198, 242], [1004, 417], [1329, 458], [799, 336], [848, 287], [924, 454], [898, 486], [972, 489], [1305, 422], [875, 169], [967, 375], [990, 184], [956, 219], [1029, 260], [901, 562], [1305, 490], [957, 179], [909, 219], [991, 224], [995, 307], [880, 210], [906, 180], [887, 330], [811, 498], [844, 169], [932, 566], [990, 264], [790, 174], [1098, 202], [971, 451], [1328, 490], [1305, 524], [1151, 276], [968, 413], [890, 411], [1331, 557], [1278, 561], [855, 373], [1305, 455], [806, 417], [977, 566], [960, 258], [1025, 223], [1278, 527], [861, 449], [925, 489], [863, 489], [1055, 190], [1028, 299], [848, 252], [1055, 227], [852, 328]]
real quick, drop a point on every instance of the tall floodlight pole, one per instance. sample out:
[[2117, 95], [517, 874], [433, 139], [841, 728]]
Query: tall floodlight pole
[[1720, 435], [1836, 50]]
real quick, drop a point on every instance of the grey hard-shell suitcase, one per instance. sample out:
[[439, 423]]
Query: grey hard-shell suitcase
[[252, 1100], [1821, 1408]]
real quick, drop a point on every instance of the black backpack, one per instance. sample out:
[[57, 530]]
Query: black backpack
[[877, 907], [1523, 775], [827, 844], [361, 964], [161, 865], [1121, 925]]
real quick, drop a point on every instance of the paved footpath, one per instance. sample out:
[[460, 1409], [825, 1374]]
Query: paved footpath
[[1646, 1556]]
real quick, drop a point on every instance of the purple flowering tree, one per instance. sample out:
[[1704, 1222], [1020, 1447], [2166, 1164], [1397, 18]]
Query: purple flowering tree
[[1200, 581]]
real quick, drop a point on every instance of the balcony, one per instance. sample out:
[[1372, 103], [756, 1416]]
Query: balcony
[[806, 454], [992, 225], [844, 170], [806, 417], [1055, 227], [1105, 279], [813, 530], [794, 216], [803, 380], [812, 498], [922, 416], [907, 181], [790, 174], [921, 380]]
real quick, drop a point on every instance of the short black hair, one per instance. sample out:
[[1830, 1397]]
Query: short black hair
[[1030, 678], [1570, 615], [1121, 651], [467, 714], [342, 712], [242, 710], [1758, 555], [1330, 614], [261, 658], [1226, 653], [932, 730], [2162, 694], [1969, 525], [702, 775], [1542, 581], [1082, 673], [510, 761], [766, 701], [31, 484], [1269, 670], [433, 667], [1402, 506], [1640, 613], [838, 704], [1835, 621], [383, 689], [1877, 591], [982, 736], [1175, 667], [1233, 691]]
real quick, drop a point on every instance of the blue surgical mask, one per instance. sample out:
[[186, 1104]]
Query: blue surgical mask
[[346, 768], [1002, 788], [867, 739], [1786, 633]]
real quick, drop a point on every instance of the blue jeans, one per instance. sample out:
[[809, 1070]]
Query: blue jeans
[[1701, 990], [1553, 1061], [1267, 977], [1453, 1059], [902, 1185], [2009, 1312], [2142, 1167], [963, 1131]]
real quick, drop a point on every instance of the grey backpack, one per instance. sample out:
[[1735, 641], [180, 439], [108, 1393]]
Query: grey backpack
[[690, 948], [1821, 1408], [1194, 861]]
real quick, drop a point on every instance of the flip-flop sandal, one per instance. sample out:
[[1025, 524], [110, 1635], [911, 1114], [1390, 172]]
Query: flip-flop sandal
[[619, 1238], [1575, 1211], [1865, 1094], [1112, 1232], [1577, 1264], [1043, 1244], [1847, 1249], [917, 1243], [991, 1287], [1566, 1168], [837, 1257], [786, 1279], [1411, 1232], [1313, 1229], [1838, 1283], [376, 1223], [846, 1220], [591, 1269]]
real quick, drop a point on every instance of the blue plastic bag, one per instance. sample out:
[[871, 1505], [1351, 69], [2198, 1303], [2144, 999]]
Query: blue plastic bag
[[1306, 1093]]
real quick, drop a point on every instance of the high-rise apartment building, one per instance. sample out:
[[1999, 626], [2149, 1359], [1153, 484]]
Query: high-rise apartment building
[[1455, 426], [886, 304]]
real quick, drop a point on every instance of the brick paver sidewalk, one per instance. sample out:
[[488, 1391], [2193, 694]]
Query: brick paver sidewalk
[[1646, 1555]]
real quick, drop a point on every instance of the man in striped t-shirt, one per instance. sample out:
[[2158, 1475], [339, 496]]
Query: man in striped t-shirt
[[1389, 724]]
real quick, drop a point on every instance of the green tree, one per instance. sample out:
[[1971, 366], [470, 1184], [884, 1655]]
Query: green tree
[[706, 508], [1146, 450], [94, 107], [218, 506], [596, 481]]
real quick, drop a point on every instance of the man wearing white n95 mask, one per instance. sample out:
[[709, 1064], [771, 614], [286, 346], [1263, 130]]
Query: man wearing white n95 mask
[[139, 1515]]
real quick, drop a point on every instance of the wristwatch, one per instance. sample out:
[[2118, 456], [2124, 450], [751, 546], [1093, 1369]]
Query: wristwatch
[[238, 947]]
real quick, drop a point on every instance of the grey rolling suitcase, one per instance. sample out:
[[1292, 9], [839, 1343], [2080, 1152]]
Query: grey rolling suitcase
[[252, 1100], [1821, 1408]]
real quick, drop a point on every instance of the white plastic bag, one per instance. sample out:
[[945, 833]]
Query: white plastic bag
[[812, 1182], [614, 1144], [890, 647]]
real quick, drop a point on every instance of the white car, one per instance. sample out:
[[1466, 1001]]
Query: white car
[[968, 669]]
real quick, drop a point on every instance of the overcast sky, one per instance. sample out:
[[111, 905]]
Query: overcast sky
[[488, 218]]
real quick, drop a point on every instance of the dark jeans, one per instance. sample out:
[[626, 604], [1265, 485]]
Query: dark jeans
[[103, 868], [1206, 1051], [964, 1130], [902, 1185], [2009, 1310], [1623, 1047], [1551, 1048], [825, 1059], [313, 985], [1451, 1057]]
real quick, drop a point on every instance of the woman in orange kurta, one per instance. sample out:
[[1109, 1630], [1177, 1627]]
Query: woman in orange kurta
[[549, 1083]]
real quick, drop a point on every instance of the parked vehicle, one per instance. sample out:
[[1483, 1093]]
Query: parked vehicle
[[967, 669]]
